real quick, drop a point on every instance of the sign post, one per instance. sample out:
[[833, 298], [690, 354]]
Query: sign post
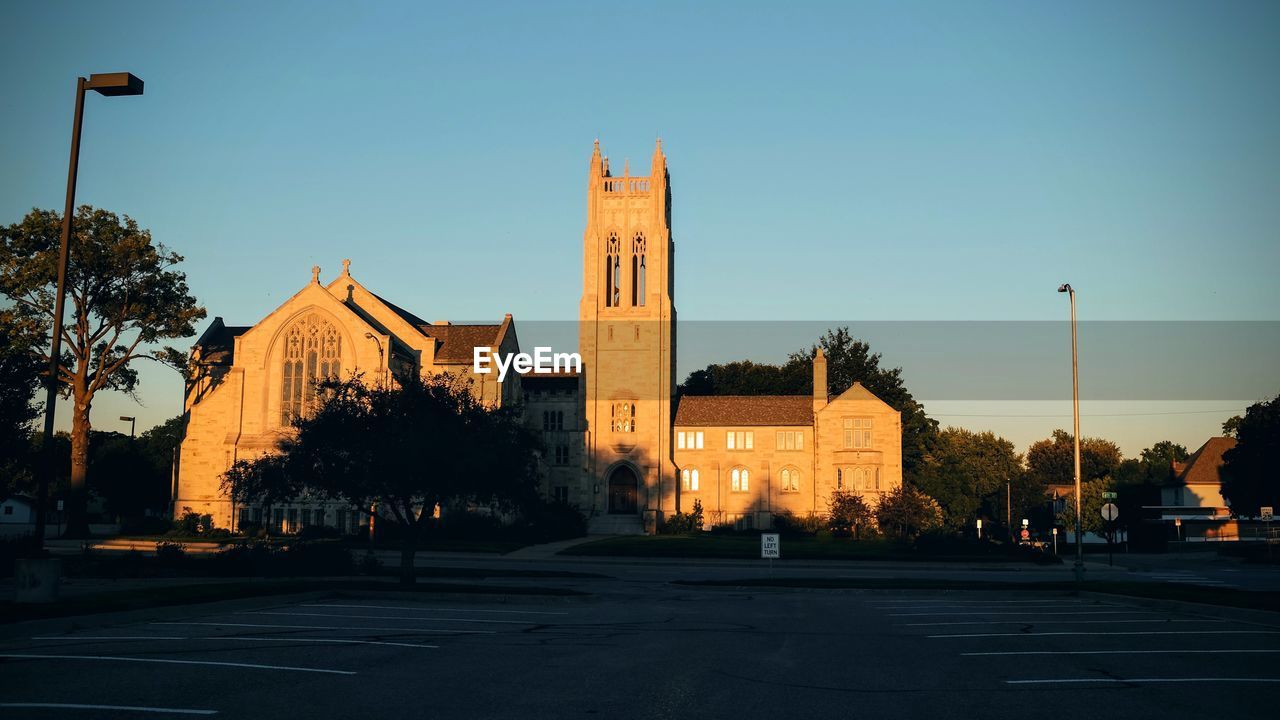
[[979, 528], [770, 548], [1109, 513], [1055, 539], [1267, 512]]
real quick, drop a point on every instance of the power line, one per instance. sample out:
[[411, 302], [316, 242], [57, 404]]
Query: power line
[[1064, 415]]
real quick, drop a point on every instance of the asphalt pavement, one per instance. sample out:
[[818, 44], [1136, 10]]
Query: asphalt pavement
[[637, 648]]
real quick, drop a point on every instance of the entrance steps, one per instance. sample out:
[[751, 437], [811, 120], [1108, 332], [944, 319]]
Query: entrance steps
[[615, 525]]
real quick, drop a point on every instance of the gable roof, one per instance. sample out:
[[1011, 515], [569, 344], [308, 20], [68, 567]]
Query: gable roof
[[707, 410], [458, 342], [1202, 467], [217, 344]]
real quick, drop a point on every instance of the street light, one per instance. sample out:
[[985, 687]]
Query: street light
[[111, 85], [1075, 429], [133, 422]]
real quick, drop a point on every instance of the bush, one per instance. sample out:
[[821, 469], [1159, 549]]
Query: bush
[[789, 525], [192, 522], [17, 548], [370, 564], [318, 532], [146, 525], [318, 558], [848, 514], [556, 521], [170, 553], [906, 512], [683, 523], [244, 559]]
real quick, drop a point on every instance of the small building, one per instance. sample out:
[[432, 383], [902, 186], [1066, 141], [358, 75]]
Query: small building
[[1191, 503], [17, 516]]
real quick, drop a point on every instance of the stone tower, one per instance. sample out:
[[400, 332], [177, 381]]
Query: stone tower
[[627, 341]]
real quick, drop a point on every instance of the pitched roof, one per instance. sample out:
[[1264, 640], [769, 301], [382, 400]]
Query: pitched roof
[[404, 314], [458, 342], [217, 343], [1202, 467], [745, 410]]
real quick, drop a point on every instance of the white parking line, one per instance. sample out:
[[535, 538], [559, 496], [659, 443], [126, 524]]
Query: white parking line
[[247, 639], [1116, 652], [1143, 680], [1122, 632], [124, 708], [1031, 612], [1050, 622], [382, 617], [934, 601], [331, 627], [976, 609], [425, 609], [110, 658]]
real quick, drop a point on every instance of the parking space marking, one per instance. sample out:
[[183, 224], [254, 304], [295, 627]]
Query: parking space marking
[[1121, 632], [93, 638], [382, 617], [1032, 612], [1142, 680], [1115, 652], [1050, 622], [123, 708], [332, 627], [433, 609], [933, 601], [167, 661]]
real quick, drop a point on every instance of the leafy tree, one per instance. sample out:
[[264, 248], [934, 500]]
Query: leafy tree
[[133, 475], [848, 361], [962, 469], [1158, 460], [1051, 461], [1231, 426], [1251, 469], [1091, 502], [124, 298], [905, 512], [407, 449], [848, 511], [19, 378]]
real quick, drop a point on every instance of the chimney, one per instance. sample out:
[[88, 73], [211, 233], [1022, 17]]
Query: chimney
[[819, 380]]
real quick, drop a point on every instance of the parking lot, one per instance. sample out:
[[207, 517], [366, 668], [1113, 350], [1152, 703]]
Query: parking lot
[[653, 651]]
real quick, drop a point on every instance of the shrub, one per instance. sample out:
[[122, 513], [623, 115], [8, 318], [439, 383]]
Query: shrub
[[244, 559], [683, 523], [789, 525], [906, 512], [170, 553], [193, 523], [318, 532], [556, 521], [848, 513], [146, 525], [318, 558], [13, 549], [370, 564]]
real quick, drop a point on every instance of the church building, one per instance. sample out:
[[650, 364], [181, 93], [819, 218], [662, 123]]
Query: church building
[[619, 444]]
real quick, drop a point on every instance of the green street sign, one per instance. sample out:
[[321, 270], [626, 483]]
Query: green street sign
[[1108, 496]]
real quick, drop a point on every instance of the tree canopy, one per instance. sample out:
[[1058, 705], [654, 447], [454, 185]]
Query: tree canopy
[[848, 361], [124, 298], [405, 449], [1051, 461], [1251, 470], [963, 470], [19, 378]]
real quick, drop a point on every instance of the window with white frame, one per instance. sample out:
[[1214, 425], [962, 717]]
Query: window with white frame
[[740, 439], [739, 480], [789, 480], [689, 479], [857, 433], [689, 440], [790, 440]]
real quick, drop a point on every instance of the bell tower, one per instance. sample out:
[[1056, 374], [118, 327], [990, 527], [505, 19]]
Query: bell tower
[[627, 340]]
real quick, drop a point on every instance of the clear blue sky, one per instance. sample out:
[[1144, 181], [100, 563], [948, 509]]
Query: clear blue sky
[[844, 160]]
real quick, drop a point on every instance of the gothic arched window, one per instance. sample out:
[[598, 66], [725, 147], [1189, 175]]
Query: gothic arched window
[[613, 272], [623, 417], [790, 478], [637, 270], [312, 352], [739, 479], [689, 479]]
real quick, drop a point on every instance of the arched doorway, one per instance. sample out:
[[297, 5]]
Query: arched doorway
[[623, 491]]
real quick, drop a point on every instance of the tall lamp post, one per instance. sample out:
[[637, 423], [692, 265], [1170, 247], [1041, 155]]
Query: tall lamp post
[[1075, 428], [111, 85], [133, 424]]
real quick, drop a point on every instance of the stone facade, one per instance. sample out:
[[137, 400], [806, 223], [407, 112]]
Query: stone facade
[[619, 446]]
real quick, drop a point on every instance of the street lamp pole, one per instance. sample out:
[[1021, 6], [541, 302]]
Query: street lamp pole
[[133, 423], [109, 84], [1075, 428]]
